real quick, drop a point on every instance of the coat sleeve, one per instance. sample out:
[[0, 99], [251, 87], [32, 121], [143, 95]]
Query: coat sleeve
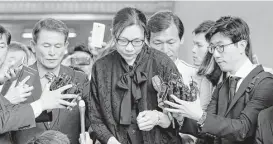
[[15, 117], [245, 125], [258, 136], [264, 129], [100, 130]]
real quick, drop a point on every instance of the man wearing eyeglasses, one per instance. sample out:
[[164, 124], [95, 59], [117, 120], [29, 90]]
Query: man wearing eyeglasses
[[231, 117]]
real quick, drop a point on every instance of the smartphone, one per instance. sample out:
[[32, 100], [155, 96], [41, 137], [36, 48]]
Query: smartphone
[[27, 71], [98, 34], [23, 73]]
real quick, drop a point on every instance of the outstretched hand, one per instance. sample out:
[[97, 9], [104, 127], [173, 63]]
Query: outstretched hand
[[192, 110]]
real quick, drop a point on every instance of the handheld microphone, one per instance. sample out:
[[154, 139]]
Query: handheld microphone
[[82, 116]]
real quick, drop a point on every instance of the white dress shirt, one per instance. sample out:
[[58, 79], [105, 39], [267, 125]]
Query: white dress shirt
[[243, 71]]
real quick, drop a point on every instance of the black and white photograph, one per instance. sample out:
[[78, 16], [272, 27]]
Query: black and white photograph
[[136, 72]]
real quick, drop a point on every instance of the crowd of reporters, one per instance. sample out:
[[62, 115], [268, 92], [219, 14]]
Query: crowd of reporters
[[123, 106]]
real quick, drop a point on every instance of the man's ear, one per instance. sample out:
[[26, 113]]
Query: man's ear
[[66, 44], [32, 45], [182, 40], [242, 46]]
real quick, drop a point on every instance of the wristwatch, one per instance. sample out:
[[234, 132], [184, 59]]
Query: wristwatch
[[201, 121]]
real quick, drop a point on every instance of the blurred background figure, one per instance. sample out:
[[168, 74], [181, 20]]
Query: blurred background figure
[[5, 38], [17, 53], [32, 57], [80, 59], [50, 137]]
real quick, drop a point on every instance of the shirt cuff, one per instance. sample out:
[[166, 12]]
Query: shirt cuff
[[201, 121], [37, 109]]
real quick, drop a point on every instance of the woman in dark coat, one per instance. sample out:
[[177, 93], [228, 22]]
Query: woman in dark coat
[[123, 106]]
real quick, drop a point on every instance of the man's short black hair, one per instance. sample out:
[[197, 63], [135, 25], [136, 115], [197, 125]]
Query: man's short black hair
[[82, 48], [162, 20], [204, 27]]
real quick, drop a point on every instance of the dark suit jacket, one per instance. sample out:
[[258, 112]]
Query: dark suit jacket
[[236, 123], [13, 118], [63, 120], [264, 133]]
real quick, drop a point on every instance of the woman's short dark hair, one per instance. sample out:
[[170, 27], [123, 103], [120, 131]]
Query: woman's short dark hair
[[4, 31], [127, 17], [162, 20]]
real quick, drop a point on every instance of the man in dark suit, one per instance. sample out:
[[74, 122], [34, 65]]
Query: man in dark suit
[[50, 41], [20, 117], [264, 133], [232, 114]]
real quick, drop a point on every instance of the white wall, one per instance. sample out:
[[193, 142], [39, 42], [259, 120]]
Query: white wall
[[258, 15]]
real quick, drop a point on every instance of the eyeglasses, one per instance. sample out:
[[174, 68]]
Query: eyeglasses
[[125, 42], [219, 48]]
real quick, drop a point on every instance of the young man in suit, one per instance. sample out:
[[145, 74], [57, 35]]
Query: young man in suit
[[231, 116], [50, 41], [22, 116]]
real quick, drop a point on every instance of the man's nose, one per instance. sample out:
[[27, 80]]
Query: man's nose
[[51, 51], [165, 48], [194, 49], [216, 54], [129, 47]]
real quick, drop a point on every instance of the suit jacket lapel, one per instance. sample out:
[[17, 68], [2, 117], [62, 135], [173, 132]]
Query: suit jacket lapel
[[223, 98], [244, 85]]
